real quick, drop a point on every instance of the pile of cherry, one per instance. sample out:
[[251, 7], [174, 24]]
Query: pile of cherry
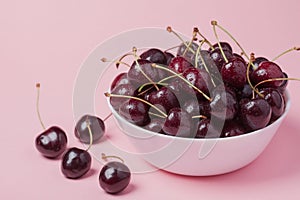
[[114, 177], [190, 94]]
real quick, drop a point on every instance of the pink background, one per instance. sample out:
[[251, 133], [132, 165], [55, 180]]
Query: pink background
[[47, 40]]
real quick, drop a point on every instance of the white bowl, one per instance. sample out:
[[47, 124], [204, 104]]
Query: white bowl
[[199, 157]]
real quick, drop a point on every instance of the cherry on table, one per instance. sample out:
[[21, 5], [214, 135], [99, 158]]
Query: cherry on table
[[52, 142], [114, 177], [97, 127], [75, 163]]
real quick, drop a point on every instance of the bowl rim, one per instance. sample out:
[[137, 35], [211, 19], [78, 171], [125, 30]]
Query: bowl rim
[[287, 108]]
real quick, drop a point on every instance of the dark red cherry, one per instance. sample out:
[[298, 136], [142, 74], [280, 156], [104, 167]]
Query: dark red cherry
[[178, 123], [245, 92], [194, 107], [169, 57], [275, 100], [224, 104], [114, 177], [163, 97], [135, 111], [154, 56], [119, 80], [224, 45], [233, 128], [179, 64], [255, 113], [218, 58], [75, 163], [96, 125], [52, 142], [125, 89], [206, 129], [199, 78], [267, 70], [257, 61], [234, 73], [141, 73], [238, 56]]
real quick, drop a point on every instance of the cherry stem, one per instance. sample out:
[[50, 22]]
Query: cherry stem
[[136, 98], [190, 43], [171, 48], [117, 62], [202, 60], [90, 133], [134, 49], [204, 38], [157, 115], [285, 52], [178, 75], [149, 83], [38, 85], [199, 116], [249, 81], [275, 79], [214, 24], [107, 117], [170, 30], [104, 157]]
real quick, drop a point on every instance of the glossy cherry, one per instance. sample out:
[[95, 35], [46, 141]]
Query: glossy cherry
[[155, 125], [96, 125], [75, 163], [255, 113], [178, 123], [179, 64], [114, 177], [120, 79], [164, 98], [52, 142], [234, 73], [169, 56], [224, 45], [135, 111], [154, 56], [267, 70], [233, 128], [125, 89]]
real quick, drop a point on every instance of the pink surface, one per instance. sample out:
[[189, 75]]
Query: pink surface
[[46, 41]]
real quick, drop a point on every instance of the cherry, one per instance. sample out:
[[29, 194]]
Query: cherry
[[233, 128], [267, 70], [188, 53], [119, 80], [178, 123], [97, 127], [218, 58], [224, 46], [125, 89], [179, 64], [198, 78], [75, 163], [255, 113], [52, 142], [165, 98], [154, 56], [205, 129], [142, 72], [234, 73], [275, 100], [256, 62], [114, 177], [135, 111], [224, 103], [282, 87], [194, 107]]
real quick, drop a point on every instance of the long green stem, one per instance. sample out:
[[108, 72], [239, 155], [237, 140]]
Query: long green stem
[[104, 157], [214, 24], [170, 30], [90, 133]]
